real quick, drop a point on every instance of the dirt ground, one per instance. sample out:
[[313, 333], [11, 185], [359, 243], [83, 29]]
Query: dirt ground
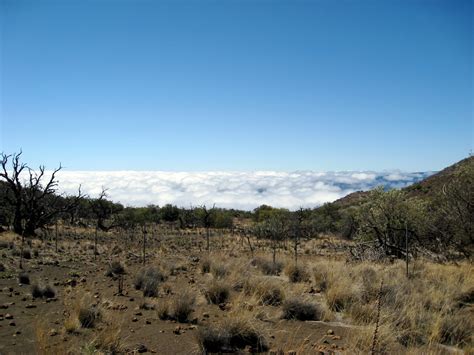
[[37, 325]]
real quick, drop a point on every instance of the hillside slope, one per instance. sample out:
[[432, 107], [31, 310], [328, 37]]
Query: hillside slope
[[424, 189]]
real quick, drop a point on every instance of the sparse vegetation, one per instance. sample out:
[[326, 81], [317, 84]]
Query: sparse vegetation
[[269, 267], [24, 278], [148, 280], [299, 309], [232, 335], [217, 292], [38, 291], [297, 273], [233, 297]]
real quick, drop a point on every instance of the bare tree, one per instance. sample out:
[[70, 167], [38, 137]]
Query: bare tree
[[32, 195]]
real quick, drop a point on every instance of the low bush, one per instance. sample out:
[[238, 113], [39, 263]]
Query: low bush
[[148, 280], [296, 273], [38, 291], [268, 267], [217, 292], [232, 335], [206, 266], [24, 278], [298, 309]]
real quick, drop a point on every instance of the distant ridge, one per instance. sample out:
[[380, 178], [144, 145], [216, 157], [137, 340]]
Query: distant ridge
[[424, 188]]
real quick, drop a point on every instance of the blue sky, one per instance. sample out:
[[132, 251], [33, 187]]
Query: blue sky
[[237, 85]]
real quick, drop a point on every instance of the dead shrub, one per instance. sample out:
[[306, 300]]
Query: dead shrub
[[267, 266], [232, 335], [219, 271], [269, 293], [24, 278], [296, 273], [148, 280], [299, 309], [217, 292], [182, 306], [38, 291], [206, 266]]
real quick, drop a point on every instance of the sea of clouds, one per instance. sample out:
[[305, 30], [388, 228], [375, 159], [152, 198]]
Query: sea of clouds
[[241, 190]]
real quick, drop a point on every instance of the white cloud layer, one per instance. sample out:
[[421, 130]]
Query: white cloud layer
[[242, 190]]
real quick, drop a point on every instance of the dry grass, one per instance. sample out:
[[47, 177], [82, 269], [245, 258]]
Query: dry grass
[[297, 273], [265, 290], [217, 292], [267, 266], [232, 335], [434, 305], [178, 309], [299, 309], [148, 280]]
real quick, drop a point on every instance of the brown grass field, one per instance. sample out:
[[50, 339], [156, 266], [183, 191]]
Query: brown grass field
[[185, 300]]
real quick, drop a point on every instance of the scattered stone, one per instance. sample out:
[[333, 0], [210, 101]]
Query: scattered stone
[[177, 330], [141, 348], [330, 332], [148, 321], [8, 316], [12, 324], [30, 305], [134, 319], [205, 315], [138, 313], [53, 333]]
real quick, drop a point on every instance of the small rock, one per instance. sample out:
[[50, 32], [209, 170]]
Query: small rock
[[141, 348], [30, 305], [12, 324], [53, 332], [8, 316], [330, 332], [177, 330], [134, 319]]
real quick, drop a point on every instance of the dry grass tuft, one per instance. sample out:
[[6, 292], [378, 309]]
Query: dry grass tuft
[[232, 335], [217, 292], [148, 280], [296, 273], [296, 308], [267, 266]]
